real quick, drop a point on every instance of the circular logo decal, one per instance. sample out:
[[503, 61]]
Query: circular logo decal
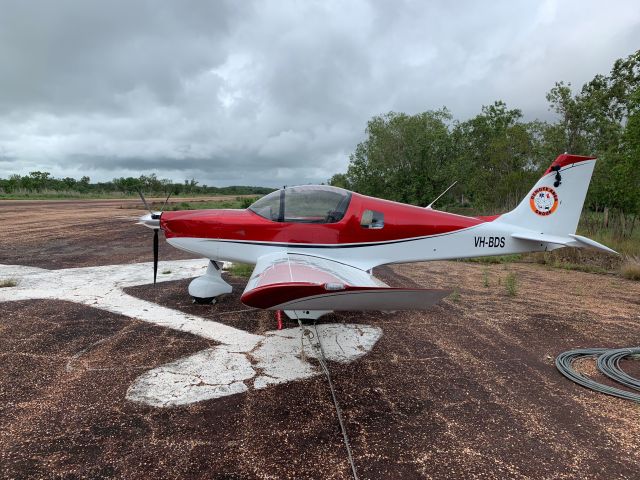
[[544, 201]]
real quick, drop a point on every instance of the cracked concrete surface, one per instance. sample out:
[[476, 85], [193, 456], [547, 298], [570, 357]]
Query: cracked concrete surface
[[277, 358], [242, 361]]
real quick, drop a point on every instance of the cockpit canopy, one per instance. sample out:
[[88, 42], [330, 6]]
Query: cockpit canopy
[[304, 204]]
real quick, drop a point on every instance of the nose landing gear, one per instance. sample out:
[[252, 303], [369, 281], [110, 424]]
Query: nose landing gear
[[205, 289]]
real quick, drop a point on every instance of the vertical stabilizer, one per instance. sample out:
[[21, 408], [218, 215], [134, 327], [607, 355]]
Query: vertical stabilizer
[[554, 204]]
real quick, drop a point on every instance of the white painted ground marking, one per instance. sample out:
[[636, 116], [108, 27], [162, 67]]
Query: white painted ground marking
[[101, 287], [211, 373], [242, 361], [218, 371]]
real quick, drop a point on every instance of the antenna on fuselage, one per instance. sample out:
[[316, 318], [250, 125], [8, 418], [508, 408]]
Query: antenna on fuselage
[[438, 197]]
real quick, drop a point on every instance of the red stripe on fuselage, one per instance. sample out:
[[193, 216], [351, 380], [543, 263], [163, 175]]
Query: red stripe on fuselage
[[400, 222]]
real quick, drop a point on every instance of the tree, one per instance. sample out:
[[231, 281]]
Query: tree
[[340, 180], [403, 158], [610, 105], [569, 132], [12, 183], [497, 157], [38, 180], [69, 183], [625, 184]]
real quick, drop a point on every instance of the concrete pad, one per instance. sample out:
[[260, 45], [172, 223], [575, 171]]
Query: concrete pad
[[273, 358]]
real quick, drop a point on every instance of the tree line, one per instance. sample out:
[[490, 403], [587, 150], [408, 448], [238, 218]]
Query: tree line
[[39, 182], [496, 156]]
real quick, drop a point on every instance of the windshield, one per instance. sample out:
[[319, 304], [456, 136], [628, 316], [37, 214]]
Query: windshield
[[305, 204]]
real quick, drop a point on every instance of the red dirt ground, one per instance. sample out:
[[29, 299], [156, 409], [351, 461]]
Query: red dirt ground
[[467, 389]]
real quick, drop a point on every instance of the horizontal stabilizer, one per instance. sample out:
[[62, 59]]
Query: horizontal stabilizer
[[544, 238], [567, 241], [592, 243]]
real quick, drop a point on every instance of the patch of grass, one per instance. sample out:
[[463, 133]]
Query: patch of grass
[[245, 202], [511, 284], [237, 202], [61, 195], [624, 245], [617, 235], [580, 267], [485, 278], [9, 282], [455, 296], [242, 270], [578, 259], [630, 269], [166, 272], [46, 194], [497, 259]]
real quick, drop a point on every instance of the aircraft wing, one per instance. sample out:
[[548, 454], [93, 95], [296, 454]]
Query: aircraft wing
[[290, 281]]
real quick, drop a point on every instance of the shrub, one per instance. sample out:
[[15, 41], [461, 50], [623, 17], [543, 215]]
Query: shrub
[[631, 269], [511, 284], [245, 202], [455, 296]]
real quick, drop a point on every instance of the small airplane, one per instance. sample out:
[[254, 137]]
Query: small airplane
[[315, 246]]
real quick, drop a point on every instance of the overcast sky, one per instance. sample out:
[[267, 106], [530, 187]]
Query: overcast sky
[[272, 92]]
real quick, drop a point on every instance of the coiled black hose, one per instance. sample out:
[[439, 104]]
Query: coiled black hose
[[608, 362]]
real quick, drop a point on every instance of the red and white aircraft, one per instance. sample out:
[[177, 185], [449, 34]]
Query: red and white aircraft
[[314, 247]]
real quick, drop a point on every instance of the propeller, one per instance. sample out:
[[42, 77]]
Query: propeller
[[155, 254], [153, 221]]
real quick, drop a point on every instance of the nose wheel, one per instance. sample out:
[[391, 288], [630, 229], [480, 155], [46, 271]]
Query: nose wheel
[[204, 301]]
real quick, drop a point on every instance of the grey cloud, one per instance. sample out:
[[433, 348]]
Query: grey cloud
[[69, 55], [271, 92]]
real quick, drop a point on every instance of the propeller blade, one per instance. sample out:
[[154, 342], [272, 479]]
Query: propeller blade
[[155, 254], [145, 202], [165, 202]]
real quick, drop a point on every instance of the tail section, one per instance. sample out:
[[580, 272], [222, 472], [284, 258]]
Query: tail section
[[550, 212], [554, 204]]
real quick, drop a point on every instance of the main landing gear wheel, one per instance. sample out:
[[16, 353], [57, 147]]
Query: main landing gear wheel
[[204, 301]]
